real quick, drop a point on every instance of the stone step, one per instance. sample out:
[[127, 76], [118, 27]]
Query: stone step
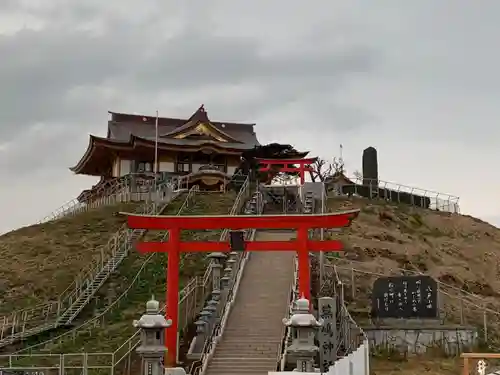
[[246, 371], [238, 331], [269, 349], [235, 343], [250, 322], [262, 354], [252, 336], [241, 359], [255, 365]]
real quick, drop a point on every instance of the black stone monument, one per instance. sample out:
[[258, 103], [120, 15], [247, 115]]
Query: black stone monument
[[370, 167], [405, 297]]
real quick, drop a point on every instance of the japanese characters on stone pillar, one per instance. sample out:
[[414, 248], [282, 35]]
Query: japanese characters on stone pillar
[[152, 348], [305, 325], [327, 335]]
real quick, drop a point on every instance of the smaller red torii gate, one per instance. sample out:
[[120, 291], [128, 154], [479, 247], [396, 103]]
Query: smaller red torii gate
[[304, 165], [174, 246]]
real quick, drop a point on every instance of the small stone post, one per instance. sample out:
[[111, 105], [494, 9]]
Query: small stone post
[[152, 348], [305, 324]]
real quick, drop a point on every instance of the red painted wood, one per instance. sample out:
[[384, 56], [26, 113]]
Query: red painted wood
[[286, 169], [172, 296], [283, 166], [287, 161], [174, 224], [303, 267], [213, 246], [330, 220]]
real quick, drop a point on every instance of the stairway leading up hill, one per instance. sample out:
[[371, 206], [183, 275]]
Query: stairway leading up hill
[[95, 275], [252, 337]]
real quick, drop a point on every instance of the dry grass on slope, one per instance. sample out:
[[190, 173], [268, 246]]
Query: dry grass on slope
[[459, 251], [40, 261]]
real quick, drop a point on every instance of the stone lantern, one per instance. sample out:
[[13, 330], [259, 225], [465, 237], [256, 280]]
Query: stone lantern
[[217, 259], [152, 348], [304, 324]]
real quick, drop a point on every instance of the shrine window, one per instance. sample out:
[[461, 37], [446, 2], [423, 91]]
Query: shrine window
[[144, 167], [182, 167], [201, 158]]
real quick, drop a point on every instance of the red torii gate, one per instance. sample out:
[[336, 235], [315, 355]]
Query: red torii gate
[[174, 246], [304, 166]]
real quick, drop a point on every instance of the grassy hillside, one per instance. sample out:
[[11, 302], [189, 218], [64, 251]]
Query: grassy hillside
[[137, 278], [40, 261], [459, 251]]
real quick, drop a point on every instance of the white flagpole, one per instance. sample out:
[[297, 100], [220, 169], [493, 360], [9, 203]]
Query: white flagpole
[[156, 150]]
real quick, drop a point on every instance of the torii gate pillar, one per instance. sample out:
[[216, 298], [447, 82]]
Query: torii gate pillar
[[174, 246]]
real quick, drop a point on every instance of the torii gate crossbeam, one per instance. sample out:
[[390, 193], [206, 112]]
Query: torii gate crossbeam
[[304, 165]]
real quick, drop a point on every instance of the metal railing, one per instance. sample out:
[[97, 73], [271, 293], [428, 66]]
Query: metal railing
[[199, 367], [26, 322], [95, 321], [118, 190], [287, 331], [206, 282], [350, 336], [395, 192], [103, 195], [456, 306]]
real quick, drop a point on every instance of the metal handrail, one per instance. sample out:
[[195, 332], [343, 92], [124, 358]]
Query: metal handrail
[[120, 238], [206, 277], [71, 293], [286, 330], [89, 322], [199, 367], [75, 206]]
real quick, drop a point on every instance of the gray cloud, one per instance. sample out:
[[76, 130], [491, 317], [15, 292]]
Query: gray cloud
[[407, 77], [42, 68]]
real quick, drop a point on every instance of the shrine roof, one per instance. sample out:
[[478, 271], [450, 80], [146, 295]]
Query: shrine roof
[[121, 127], [131, 131]]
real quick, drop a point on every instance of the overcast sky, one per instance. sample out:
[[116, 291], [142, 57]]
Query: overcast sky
[[418, 80]]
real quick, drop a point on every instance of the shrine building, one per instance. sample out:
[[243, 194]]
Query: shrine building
[[193, 147]]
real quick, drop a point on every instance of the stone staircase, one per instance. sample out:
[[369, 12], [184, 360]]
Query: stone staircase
[[93, 285], [126, 240], [251, 343], [96, 275]]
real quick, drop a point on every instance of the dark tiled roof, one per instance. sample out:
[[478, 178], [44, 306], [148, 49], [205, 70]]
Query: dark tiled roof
[[122, 126]]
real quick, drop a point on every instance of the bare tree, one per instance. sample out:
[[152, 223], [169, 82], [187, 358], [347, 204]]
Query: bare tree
[[321, 170], [338, 165], [358, 175]]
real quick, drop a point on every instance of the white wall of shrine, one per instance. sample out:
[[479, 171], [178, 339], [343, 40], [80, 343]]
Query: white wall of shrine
[[122, 167], [166, 166], [125, 166], [230, 170]]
